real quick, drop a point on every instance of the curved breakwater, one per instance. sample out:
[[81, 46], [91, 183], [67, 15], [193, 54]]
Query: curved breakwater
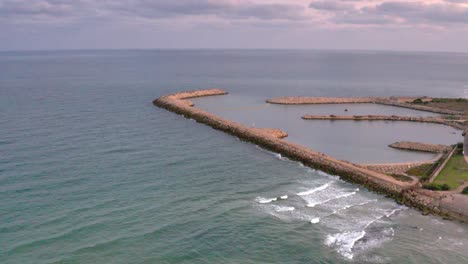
[[401, 191]]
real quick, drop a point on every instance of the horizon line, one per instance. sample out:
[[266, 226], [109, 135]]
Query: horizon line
[[231, 49]]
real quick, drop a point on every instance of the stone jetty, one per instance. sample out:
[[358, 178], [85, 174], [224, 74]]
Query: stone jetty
[[422, 119], [404, 192], [398, 168], [417, 146], [392, 101], [297, 100], [278, 133]]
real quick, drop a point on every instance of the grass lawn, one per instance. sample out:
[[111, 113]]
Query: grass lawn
[[455, 104], [420, 171], [455, 171]]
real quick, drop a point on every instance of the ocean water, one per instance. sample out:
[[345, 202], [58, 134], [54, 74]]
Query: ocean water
[[92, 172]]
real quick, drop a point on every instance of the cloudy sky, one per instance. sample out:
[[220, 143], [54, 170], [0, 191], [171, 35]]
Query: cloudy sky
[[426, 25]]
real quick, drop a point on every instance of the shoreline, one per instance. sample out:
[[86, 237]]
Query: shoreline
[[403, 192]]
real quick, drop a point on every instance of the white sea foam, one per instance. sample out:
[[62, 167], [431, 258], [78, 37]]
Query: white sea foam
[[353, 205], [313, 204], [375, 239], [344, 242], [265, 200], [314, 220], [393, 212], [373, 221], [278, 208], [359, 204], [284, 197], [388, 214], [323, 173], [278, 156], [313, 190]]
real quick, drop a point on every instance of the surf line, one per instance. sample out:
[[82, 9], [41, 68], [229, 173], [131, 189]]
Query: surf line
[[333, 198]]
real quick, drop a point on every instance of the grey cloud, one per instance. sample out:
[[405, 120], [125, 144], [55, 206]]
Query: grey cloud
[[427, 13], [330, 5], [215, 8], [39, 7], [359, 19], [398, 12], [151, 9]]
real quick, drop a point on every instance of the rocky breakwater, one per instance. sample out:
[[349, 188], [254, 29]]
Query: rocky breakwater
[[372, 180], [274, 132], [408, 104], [422, 119], [296, 100], [397, 168], [405, 102], [417, 146]]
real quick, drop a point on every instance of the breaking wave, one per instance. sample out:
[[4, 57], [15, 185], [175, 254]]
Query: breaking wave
[[331, 199], [345, 242], [353, 205], [315, 220], [265, 200], [279, 209], [313, 190]]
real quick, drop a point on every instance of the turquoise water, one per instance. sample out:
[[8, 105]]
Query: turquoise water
[[92, 172]]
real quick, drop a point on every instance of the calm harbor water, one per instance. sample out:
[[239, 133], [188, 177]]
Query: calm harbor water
[[92, 172], [364, 142]]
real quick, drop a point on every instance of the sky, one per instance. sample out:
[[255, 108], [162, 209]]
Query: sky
[[411, 25]]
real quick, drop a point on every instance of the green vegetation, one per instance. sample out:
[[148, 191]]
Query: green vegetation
[[454, 104], [451, 117], [436, 187], [448, 100], [422, 171], [418, 101], [455, 172], [465, 190]]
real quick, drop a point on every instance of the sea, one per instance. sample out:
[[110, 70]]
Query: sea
[[92, 172]]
